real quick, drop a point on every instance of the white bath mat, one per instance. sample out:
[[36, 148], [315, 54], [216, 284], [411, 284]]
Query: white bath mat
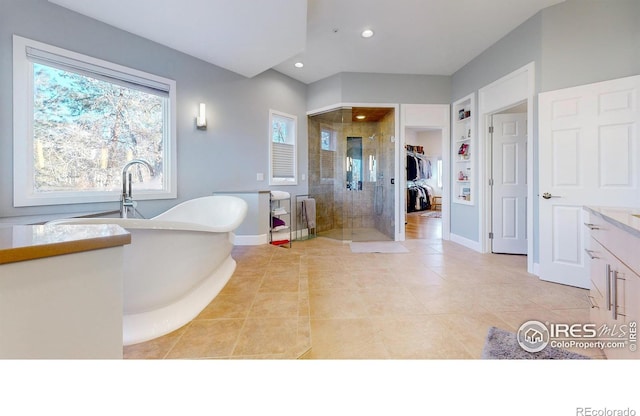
[[378, 247]]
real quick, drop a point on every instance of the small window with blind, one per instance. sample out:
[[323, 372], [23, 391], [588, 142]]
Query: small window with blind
[[327, 154], [282, 148]]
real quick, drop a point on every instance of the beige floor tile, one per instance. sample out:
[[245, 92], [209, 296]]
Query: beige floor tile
[[445, 299], [234, 305], [243, 284], [392, 302], [345, 339], [275, 304], [419, 338], [337, 304], [267, 336], [156, 348], [280, 282], [471, 329], [212, 338]]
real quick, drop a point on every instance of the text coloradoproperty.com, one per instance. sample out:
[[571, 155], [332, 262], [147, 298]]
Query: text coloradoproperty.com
[[588, 344]]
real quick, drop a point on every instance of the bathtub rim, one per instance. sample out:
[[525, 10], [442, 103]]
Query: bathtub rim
[[145, 224]]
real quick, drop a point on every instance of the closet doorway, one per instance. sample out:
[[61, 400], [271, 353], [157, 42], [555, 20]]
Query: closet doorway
[[424, 182], [508, 180]]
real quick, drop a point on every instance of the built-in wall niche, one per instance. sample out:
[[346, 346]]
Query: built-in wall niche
[[354, 166], [463, 149]]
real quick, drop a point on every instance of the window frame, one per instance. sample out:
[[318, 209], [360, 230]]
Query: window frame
[[23, 140], [333, 143], [282, 180]]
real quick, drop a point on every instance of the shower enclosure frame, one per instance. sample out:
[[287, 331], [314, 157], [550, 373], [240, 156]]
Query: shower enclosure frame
[[398, 175]]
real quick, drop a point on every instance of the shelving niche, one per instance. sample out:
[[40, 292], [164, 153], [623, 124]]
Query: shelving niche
[[462, 151]]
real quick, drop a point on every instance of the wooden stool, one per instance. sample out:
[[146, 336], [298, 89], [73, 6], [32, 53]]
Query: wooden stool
[[437, 203]]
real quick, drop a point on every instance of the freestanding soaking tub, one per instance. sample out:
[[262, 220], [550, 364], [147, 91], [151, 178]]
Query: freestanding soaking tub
[[176, 264]]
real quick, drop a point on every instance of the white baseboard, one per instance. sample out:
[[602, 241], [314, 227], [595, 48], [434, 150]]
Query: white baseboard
[[249, 240], [463, 241], [256, 240], [536, 269]]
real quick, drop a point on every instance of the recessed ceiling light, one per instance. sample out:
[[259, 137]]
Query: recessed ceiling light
[[298, 64], [367, 33], [360, 117]]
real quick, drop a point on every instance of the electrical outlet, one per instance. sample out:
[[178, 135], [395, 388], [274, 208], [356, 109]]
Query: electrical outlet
[[260, 176]]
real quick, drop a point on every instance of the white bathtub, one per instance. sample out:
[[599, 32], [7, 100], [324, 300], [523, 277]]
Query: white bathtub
[[176, 264]]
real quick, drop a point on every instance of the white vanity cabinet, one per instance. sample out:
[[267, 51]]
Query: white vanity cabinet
[[613, 247]]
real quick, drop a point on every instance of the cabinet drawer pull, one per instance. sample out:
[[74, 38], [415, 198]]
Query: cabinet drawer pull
[[614, 295], [593, 302], [591, 226], [607, 296], [590, 254]]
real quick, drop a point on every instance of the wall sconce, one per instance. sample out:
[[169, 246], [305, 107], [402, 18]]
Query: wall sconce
[[201, 119]]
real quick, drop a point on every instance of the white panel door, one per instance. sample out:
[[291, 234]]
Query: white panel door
[[509, 190], [589, 155]]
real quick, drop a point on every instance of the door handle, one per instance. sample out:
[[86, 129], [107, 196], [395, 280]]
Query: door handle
[[547, 195]]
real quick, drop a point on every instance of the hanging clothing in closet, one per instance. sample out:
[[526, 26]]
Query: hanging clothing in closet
[[418, 167], [418, 197]]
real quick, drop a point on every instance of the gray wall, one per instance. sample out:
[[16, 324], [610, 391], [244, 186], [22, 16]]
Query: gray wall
[[573, 43], [586, 41], [226, 156], [350, 87], [514, 51]]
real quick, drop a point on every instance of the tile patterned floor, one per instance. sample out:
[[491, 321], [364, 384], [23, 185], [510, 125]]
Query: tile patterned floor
[[317, 300]]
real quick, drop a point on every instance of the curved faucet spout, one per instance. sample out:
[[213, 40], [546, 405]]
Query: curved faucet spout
[[126, 200], [138, 162]]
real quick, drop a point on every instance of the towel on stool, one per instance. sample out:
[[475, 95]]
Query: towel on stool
[[275, 195], [309, 206]]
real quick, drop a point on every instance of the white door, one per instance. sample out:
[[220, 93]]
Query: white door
[[588, 155], [509, 178]]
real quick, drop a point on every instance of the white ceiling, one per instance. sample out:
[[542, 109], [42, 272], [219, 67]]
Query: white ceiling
[[435, 37]]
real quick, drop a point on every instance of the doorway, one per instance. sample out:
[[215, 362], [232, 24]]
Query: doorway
[[508, 180], [424, 182], [506, 92]]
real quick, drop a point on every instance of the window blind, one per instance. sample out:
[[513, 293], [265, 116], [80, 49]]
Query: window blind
[[282, 160], [96, 71]]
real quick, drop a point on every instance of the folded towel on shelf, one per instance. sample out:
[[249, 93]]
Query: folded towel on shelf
[[277, 222], [275, 195], [279, 211], [309, 207]]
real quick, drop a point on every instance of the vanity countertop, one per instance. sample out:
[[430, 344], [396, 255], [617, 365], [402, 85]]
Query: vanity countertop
[[29, 242], [627, 219]]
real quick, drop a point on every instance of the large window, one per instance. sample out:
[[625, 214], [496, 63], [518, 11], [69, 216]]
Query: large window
[[282, 148], [79, 120]]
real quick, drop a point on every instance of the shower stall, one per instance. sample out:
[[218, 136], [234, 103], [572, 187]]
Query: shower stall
[[351, 163]]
